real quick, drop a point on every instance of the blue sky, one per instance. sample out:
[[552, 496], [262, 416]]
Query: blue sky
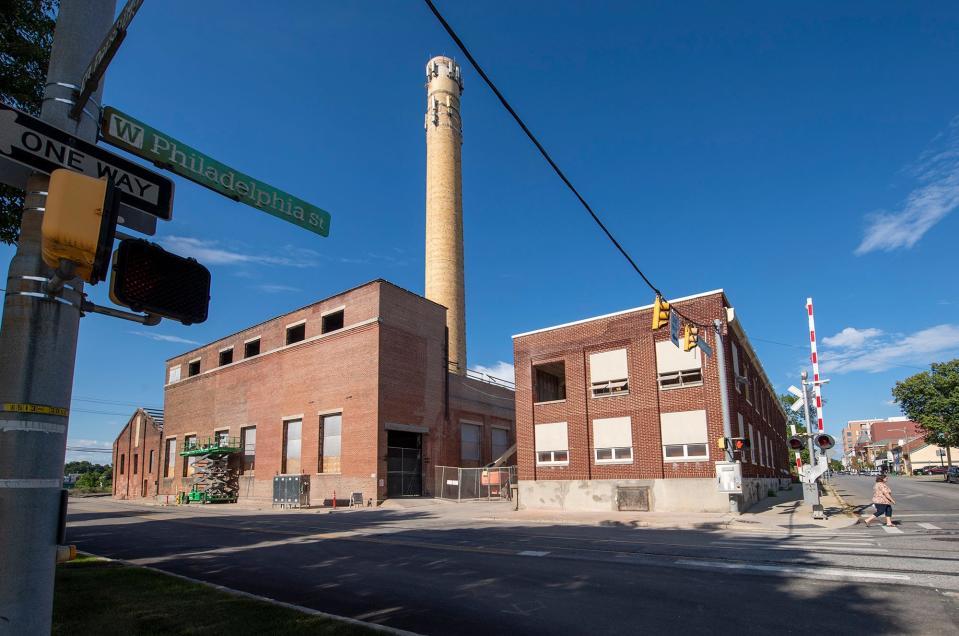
[[775, 150]]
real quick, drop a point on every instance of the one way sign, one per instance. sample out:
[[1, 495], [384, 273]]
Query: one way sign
[[26, 144]]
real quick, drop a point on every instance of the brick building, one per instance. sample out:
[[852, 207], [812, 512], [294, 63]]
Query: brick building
[[606, 403], [136, 456], [353, 391]]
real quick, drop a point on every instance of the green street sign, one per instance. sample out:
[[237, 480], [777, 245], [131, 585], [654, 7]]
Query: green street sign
[[132, 135]]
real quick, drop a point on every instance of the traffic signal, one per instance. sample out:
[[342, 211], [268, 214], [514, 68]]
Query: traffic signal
[[148, 278], [741, 444], [690, 337], [722, 443], [824, 441], [79, 223], [660, 312], [797, 443]]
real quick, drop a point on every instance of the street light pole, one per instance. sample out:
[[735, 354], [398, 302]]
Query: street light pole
[[38, 344]]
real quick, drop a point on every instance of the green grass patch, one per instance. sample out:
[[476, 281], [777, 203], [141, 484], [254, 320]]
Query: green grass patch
[[97, 596]]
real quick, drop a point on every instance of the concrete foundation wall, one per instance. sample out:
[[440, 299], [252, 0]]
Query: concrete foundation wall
[[665, 495]]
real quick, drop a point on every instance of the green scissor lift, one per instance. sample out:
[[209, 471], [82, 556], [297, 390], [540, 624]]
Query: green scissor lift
[[215, 482]]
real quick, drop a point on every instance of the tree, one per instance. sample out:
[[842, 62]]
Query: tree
[[931, 399], [26, 35], [797, 419]]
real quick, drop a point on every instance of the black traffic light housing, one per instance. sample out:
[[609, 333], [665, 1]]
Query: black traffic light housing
[[824, 441], [147, 278], [796, 443], [741, 443]]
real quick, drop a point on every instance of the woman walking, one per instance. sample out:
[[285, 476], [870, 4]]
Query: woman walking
[[882, 499]]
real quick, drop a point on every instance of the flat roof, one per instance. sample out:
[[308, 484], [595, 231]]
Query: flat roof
[[616, 313]]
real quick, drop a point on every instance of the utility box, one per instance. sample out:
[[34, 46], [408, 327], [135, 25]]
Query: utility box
[[291, 491]]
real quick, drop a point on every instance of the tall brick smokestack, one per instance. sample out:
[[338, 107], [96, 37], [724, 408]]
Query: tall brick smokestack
[[444, 202]]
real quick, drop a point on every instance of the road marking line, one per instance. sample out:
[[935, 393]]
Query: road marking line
[[776, 546], [929, 526], [864, 574], [535, 553], [930, 514], [892, 529], [914, 495]]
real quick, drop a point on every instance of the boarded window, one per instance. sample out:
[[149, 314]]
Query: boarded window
[[174, 374], [608, 372], [189, 466], [251, 348], [613, 440], [549, 382], [499, 441], [332, 436], [471, 442], [292, 445], [248, 442], [170, 459], [332, 322], [684, 435], [552, 443]]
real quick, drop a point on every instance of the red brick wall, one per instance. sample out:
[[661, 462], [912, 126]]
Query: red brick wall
[[895, 430], [643, 404], [136, 457]]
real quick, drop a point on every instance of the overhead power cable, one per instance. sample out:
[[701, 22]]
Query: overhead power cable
[[549, 159]]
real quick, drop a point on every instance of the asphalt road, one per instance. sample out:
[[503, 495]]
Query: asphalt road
[[438, 570]]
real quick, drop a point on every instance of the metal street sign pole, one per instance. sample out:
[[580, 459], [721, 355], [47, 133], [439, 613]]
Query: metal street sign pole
[[38, 345], [103, 56]]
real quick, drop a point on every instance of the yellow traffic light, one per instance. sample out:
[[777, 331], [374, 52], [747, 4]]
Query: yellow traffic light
[[660, 312], [79, 223], [690, 337]]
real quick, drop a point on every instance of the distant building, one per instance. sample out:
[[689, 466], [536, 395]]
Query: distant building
[[353, 391], [609, 411], [136, 455], [869, 440]]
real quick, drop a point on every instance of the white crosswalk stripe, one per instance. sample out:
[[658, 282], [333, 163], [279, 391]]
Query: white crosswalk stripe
[[892, 529], [929, 526]]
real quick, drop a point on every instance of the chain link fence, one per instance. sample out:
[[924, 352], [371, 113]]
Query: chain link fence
[[472, 484]]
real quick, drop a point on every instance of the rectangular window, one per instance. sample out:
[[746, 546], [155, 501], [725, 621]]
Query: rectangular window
[[332, 322], [735, 365], [499, 442], [248, 442], [151, 462], [747, 383], [123, 463], [608, 373], [193, 368], [174, 374], [549, 382], [221, 438], [684, 435], [752, 447], [613, 440], [226, 356], [552, 444], [295, 333], [170, 458], [677, 368], [471, 442], [251, 348], [332, 436], [189, 465], [292, 444], [136, 462]]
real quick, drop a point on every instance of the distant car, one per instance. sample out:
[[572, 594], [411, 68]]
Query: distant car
[[953, 475], [919, 471], [936, 470]]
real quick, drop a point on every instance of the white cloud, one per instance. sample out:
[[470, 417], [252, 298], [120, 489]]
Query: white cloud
[[851, 337], [211, 253], [164, 338], [95, 451], [270, 288], [501, 370], [937, 196], [845, 354]]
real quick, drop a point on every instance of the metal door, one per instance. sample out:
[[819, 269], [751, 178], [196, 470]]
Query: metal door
[[404, 464]]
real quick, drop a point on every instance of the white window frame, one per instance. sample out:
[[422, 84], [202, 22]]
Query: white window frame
[[552, 461], [613, 386], [179, 372], [680, 376], [686, 456], [617, 456]]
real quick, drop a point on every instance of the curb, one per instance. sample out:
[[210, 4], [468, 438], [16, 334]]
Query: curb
[[384, 629], [846, 508]]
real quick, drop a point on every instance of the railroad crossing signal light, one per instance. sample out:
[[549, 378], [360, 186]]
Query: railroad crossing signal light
[[660, 312], [79, 223], [722, 443], [796, 443], [690, 337], [824, 441], [741, 443], [148, 278]]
